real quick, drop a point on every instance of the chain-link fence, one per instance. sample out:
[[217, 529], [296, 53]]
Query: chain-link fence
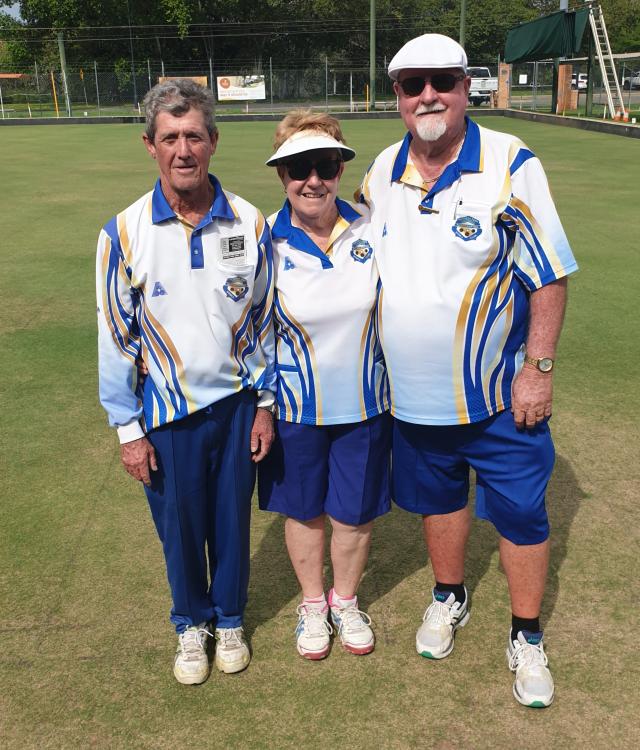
[[532, 82], [97, 89]]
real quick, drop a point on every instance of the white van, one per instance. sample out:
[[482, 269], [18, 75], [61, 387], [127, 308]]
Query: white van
[[579, 81]]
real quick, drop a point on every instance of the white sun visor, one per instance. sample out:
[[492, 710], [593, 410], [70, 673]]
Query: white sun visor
[[308, 140]]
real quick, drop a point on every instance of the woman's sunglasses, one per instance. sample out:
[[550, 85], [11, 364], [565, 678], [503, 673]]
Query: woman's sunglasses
[[440, 82], [300, 169]]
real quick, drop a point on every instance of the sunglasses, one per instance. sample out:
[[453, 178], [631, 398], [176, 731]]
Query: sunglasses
[[440, 82], [300, 169]]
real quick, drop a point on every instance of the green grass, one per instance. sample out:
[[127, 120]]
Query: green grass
[[87, 647]]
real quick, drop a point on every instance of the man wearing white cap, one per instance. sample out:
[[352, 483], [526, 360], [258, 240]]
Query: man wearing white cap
[[473, 262]]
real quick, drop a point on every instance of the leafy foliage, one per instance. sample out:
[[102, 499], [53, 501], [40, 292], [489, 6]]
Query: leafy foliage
[[295, 33]]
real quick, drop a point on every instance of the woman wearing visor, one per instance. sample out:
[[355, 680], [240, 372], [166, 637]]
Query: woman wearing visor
[[331, 455]]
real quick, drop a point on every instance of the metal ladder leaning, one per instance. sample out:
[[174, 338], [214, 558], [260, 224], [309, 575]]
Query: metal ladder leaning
[[607, 64]]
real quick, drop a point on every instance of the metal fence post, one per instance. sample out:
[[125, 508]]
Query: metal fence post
[[63, 65], [326, 82], [271, 82], [95, 70], [350, 91]]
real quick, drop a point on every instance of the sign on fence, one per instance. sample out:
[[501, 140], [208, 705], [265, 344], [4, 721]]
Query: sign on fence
[[241, 88], [200, 80]]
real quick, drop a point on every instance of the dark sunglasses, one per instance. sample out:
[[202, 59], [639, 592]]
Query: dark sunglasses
[[440, 82], [300, 169]]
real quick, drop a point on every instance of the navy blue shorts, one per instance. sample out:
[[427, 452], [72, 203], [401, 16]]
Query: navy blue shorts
[[341, 470], [513, 467]]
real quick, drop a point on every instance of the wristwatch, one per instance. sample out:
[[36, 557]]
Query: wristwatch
[[544, 364]]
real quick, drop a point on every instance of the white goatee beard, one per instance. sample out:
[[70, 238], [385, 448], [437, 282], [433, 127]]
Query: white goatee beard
[[431, 128]]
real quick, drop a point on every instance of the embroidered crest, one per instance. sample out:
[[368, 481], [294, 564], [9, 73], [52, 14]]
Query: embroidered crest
[[158, 290], [361, 251], [467, 228], [288, 263], [236, 288]]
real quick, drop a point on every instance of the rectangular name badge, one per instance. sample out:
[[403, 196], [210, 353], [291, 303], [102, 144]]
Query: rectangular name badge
[[233, 250]]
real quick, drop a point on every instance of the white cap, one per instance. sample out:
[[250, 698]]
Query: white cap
[[428, 51], [308, 140]]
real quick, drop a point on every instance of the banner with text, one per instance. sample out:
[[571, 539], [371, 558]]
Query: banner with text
[[240, 88]]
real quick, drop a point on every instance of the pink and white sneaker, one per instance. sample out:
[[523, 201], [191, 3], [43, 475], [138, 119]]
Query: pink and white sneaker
[[352, 625], [313, 632]]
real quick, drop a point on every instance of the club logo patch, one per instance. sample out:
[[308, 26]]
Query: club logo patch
[[288, 263], [236, 288], [467, 228], [361, 251]]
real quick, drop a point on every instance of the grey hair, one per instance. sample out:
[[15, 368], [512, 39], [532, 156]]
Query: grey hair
[[177, 97]]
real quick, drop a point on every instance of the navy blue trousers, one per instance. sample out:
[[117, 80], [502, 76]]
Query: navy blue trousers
[[200, 500]]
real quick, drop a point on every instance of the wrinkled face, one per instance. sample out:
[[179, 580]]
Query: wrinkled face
[[430, 114], [312, 197], [182, 147]]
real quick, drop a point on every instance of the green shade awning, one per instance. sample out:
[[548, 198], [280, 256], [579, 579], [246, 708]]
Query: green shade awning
[[556, 35]]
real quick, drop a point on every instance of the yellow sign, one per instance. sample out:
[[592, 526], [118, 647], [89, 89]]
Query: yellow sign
[[200, 80]]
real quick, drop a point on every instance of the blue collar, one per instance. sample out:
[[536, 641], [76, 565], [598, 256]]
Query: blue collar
[[283, 229], [220, 208], [469, 159]]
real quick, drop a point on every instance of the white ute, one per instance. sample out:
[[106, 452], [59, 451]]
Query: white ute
[[482, 85]]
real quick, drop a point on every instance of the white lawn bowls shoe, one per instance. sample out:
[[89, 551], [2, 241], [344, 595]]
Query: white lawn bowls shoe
[[191, 665], [354, 629], [313, 632], [533, 685], [435, 637], [232, 651]]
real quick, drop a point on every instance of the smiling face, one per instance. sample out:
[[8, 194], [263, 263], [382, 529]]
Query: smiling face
[[182, 147], [313, 199], [431, 115]]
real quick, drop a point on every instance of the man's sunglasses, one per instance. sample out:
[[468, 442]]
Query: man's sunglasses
[[300, 169], [440, 82]]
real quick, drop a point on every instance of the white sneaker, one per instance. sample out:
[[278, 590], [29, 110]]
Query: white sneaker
[[434, 639], [232, 651], [533, 685], [353, 628], [313, 632], [191, 665]]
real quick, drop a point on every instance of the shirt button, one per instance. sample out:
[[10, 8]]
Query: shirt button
[[195, 252]]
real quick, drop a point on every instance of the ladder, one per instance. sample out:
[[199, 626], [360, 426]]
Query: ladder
[[607, 64]]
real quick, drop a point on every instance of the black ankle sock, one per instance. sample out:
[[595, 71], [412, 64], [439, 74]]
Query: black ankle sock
[[522, 623], [457, 589]]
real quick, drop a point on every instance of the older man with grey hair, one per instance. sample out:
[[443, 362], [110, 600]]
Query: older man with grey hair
[[184, 285], [474, 263]]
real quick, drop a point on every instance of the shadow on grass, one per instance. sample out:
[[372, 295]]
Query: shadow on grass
[[564, 497], [398, 551]]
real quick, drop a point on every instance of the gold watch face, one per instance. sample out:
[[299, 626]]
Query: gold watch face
[[545, 364]]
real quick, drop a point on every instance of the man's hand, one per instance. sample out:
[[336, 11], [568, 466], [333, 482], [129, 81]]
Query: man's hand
[[262, 434], [532, 394], [138, 458]]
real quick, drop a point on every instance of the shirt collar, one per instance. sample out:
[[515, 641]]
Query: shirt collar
[[469, 160], [283, 229], [220, 207]]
